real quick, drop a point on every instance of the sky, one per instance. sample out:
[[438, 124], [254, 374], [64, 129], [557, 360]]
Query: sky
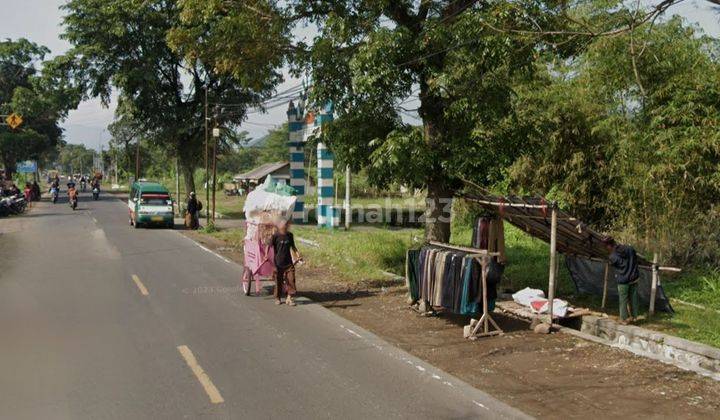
[[41, 21]]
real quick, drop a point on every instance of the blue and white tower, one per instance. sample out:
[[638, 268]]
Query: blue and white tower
[[302, 125]]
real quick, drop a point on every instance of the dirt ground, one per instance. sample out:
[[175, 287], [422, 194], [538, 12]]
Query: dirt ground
[[548, 376]]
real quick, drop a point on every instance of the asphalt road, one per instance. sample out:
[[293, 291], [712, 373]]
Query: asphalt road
[[99, 320]]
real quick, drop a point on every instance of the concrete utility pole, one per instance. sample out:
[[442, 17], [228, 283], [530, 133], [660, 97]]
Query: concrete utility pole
[[137, 160], [207, 191], [216, 138], [177, 182], [348, 210]]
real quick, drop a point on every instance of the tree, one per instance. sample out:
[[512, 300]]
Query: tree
[[43, 98], [370, 57], [626, 136], [162, 88], [74, 158]]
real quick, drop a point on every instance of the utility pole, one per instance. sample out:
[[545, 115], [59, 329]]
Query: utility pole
[[207, 191], [137, 160], [177, 182], [216, 137], [348, 211]]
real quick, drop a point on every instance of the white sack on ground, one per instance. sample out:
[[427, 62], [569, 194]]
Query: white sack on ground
[[524, 296]]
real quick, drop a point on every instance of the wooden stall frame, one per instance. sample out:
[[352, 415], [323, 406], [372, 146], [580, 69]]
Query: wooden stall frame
[[570, 249], [486, 320]]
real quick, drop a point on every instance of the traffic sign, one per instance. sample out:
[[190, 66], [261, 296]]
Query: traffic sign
[[14, 120]]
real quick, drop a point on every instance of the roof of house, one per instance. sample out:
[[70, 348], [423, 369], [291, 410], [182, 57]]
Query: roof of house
[[262, 171]]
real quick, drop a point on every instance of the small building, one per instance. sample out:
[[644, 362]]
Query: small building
[[250, 179]]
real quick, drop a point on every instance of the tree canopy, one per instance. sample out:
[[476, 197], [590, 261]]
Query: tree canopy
[[41, 92], [146, 53]]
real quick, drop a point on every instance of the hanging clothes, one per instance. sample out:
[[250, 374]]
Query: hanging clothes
[[412, 275], [450, 279]]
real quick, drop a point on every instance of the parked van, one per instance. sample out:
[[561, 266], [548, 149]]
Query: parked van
[[150, 204]]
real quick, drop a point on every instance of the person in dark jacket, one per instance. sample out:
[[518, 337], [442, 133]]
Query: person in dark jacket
[[623, 259], [192, 217]]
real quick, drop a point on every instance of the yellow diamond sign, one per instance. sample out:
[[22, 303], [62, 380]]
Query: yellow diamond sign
[[14, 120]]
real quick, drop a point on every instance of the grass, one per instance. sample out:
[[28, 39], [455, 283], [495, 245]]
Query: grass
[[361, 254], [697, 287]]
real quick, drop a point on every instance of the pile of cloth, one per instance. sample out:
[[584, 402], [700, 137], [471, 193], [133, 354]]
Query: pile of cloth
[[438, 277], [537, 302]]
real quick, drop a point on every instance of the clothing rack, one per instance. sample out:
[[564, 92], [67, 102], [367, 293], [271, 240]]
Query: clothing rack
[[485, 322]]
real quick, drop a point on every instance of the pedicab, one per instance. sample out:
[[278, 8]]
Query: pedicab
[[264, 208]]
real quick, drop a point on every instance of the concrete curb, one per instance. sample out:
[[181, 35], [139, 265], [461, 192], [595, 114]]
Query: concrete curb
[[685, 354], [496, 409]]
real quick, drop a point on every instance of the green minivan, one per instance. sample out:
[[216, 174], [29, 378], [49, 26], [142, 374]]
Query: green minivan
[[150, 204]]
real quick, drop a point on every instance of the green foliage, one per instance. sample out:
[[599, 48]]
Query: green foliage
[[274, 147], [628, 140], [74, 158], [369, 57], [42, 98], [146, 51]]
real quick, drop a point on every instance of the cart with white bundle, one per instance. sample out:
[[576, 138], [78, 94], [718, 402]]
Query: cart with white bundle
[[265, 206]]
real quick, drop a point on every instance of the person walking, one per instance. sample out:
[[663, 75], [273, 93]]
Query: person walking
[[192, 217], [283, 243], [36, 191], [623, 259]]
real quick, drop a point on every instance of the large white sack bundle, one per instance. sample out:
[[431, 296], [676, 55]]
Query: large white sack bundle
[[260, 203]]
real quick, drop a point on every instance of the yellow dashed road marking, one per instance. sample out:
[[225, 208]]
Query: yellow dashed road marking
[[204, 379], [140, 285]]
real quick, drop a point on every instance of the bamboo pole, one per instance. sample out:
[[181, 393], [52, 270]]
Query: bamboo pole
[[605, 284], [464, 249], [553, 245], [653, 288]]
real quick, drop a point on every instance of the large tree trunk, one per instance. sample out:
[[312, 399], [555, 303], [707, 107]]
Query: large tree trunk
[[9, 163], [188, 173], [438, 206], [438, 203]]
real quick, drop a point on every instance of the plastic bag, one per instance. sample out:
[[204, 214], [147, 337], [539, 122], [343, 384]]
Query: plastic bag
[[524, 296]]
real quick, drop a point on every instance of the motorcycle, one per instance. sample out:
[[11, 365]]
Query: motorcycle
[[96, 193], [73, 202], [82, 186], [54, 194], [12, 205]]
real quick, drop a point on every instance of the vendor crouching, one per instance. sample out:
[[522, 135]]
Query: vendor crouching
[[283, 244]]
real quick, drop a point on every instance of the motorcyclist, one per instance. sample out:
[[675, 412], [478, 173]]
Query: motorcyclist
[[83, 182], [72, 192]]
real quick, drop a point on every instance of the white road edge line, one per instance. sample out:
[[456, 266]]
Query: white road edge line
[[200, 374], [206, 249]]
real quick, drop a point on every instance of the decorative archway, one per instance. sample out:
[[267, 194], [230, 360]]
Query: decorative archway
[[302, 125]]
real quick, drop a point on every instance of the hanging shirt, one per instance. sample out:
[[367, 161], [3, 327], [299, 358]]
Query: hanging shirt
[[282, 243]]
